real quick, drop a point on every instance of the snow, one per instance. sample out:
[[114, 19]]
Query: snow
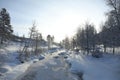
[[9, 53], [57, 64], [49, 69], [16, 71], [10, 65], [106, 68]]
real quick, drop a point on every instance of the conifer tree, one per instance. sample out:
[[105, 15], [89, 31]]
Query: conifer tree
[[5, 26]]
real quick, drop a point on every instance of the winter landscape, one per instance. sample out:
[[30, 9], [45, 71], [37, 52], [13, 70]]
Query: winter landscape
[[64, 40]]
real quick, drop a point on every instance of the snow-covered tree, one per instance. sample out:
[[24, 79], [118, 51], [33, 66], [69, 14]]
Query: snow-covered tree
[[32, 31], [5, 26], [35, 38], [49, 41]]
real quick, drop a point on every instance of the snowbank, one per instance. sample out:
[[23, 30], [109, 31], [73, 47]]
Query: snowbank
[[106, 68], [16, 71]]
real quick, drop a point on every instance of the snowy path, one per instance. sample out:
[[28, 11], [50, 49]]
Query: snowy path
[[48, 69]]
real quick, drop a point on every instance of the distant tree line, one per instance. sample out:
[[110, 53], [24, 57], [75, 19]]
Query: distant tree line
[[88, 39], [84, 39]]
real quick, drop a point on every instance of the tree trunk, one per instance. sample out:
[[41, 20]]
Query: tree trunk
[[87, 44], [104, 48], [36, 46], [113, 50], [1, 40]]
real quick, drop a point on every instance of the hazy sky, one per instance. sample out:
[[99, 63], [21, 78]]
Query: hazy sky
[[55, 17]]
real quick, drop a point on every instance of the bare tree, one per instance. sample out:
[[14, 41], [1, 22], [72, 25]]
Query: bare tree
[[73, 43], [67, 43], [86, 37], [115, 10]]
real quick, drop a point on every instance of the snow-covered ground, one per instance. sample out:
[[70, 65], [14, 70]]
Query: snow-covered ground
[[58, 64], [51, 68], [15, 71], [105, 68], [11, 67], [56, 68]]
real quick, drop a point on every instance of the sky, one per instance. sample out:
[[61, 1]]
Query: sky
[[60, 18]]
